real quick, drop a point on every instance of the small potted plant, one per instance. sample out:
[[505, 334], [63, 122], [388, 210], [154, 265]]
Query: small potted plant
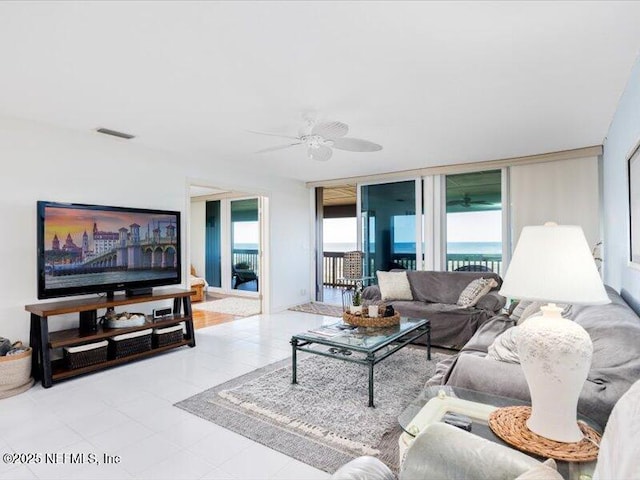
[[356, 307]]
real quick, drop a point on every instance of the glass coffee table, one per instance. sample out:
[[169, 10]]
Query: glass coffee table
[[365, 345], [477, 406]]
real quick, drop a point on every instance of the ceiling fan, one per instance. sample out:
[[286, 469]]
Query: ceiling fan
[[320, 137], [466, 201]]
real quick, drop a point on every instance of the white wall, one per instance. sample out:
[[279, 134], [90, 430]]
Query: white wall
[[41, 162], [563, 191], [624, 133], [197, 233]]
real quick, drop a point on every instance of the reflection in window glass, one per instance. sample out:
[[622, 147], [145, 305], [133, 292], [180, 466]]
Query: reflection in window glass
[[388, 220], [474, 221]]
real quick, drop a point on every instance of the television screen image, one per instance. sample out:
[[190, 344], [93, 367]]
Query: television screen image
[[93, 249]]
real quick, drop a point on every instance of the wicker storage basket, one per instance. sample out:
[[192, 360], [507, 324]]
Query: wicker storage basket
[[130, 343], [15, 370], [85, 355], [366, 321], [167, 336]]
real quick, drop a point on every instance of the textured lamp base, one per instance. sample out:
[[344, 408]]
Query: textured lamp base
[[555, 354]]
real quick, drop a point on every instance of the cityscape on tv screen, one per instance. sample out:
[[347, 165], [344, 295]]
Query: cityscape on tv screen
[[92, 247]]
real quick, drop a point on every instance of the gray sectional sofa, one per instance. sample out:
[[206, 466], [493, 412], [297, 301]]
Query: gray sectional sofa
[[615, 332], [435, 295]]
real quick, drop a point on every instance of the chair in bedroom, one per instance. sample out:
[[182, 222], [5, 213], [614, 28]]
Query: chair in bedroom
[[473, 268], [243, 273], [197, 285]]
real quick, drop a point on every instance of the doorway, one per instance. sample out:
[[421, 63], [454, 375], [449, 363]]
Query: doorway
[[227, 233], [336, 233]]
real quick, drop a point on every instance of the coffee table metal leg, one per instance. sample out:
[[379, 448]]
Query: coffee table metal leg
[[294, 352], [371, 360], [428, 342]]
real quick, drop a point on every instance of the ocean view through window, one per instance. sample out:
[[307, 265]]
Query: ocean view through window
[[474, 221]]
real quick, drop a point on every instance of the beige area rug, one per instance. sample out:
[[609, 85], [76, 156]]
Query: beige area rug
[[323, 420], [319, 308], [233, 305]]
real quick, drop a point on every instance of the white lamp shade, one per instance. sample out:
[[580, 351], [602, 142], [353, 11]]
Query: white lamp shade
[[553, 263]]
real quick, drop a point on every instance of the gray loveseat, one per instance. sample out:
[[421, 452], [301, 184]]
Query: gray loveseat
[[615, 332], [435, 295]]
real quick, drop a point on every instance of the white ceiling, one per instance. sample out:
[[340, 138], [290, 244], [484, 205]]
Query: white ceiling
[[433, 82]]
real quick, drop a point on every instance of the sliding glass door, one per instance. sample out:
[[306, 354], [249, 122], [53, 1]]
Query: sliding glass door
[[457, 224], [245, 245], [233, 245], [474, 221], [388, 225]]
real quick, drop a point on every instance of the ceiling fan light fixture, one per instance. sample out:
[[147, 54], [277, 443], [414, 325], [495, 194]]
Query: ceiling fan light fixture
[[319, 138]]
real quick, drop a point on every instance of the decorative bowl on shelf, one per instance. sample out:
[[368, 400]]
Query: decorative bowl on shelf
[[124, 320]]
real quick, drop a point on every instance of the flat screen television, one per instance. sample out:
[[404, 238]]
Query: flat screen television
[[86, 249]]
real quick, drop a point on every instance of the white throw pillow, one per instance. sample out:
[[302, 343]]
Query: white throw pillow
[[394, 285], [520, 307], [477, 289], [532, 310], [504, 348]]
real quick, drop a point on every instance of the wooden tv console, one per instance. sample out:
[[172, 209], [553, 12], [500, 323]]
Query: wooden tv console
[[42, 341]]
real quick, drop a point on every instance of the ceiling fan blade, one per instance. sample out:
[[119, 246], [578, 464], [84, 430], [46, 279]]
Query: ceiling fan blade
[[322, 153], [279, 147], [274, 135], [330, 130], [356, 145]]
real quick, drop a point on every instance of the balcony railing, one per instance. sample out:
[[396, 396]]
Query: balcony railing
[[333, 269], [478, 261], [248, 256], [333, 264]]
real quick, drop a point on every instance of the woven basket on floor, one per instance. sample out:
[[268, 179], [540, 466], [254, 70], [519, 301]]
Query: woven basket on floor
[[15, 370]]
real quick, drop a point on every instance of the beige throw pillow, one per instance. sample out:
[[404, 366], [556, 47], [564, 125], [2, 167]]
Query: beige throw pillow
[[477, 289], [394, 286]]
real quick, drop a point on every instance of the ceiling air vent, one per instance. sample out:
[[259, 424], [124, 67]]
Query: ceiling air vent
[[115, 133]]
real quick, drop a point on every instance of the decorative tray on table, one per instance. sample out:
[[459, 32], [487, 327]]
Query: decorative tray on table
[[366, 321]]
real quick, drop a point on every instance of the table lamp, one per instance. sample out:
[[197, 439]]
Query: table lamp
[[553, 263]]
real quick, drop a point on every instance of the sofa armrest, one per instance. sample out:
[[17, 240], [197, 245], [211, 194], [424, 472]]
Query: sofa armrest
[[445, 452], [363, 468], [487, 333], [474, 372], [492, 301], [372, 292]]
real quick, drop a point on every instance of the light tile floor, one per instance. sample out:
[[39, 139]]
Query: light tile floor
[[128, 412]]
